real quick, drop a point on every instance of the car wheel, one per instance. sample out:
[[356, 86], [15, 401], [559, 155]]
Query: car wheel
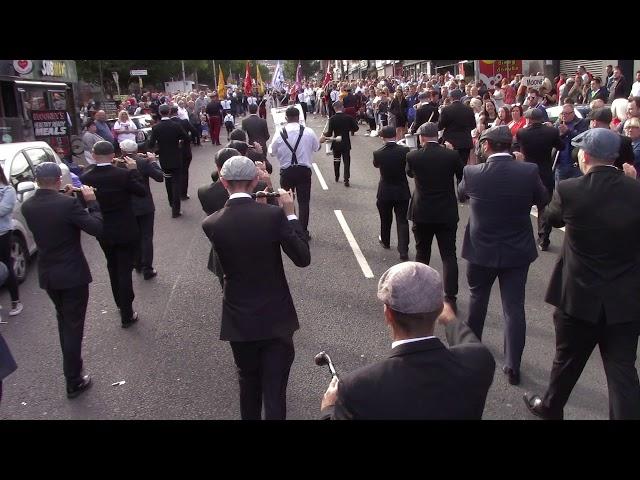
[[20, 256]]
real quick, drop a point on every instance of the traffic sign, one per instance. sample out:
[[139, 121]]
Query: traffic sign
[[138, 73]]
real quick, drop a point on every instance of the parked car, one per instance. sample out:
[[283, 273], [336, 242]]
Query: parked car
[[581, 111], [19, 161], [143, 123]]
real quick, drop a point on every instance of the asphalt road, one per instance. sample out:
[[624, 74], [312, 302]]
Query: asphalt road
[[175, 367]]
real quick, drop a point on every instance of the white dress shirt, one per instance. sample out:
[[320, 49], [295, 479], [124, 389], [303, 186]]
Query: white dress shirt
[[308, 145], [246, 195], [635, 89], [397, 343]]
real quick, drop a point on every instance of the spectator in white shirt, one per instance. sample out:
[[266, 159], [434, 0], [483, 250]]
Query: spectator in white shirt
[[124, 128], [635, 88], [182, 111]]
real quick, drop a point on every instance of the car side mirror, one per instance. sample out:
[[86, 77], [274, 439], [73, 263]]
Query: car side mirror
[[24, 187]]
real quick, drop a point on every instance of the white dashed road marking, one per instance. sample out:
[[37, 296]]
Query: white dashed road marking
[[366, 270]]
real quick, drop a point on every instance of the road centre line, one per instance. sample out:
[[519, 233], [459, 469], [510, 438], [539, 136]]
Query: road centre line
[[323, 184], [366, 270]]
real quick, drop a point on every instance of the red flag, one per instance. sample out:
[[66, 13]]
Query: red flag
[[328, 77], [297, 87], [248, 88]]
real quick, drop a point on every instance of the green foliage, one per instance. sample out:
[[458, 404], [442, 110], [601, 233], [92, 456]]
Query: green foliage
[[309, 68], [160, 71]]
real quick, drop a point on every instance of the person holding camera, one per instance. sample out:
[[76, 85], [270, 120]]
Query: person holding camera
[[258, 314], [119, 239], [56, 221]]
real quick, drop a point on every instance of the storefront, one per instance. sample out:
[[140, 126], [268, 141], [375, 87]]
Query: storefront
[[28, 86]]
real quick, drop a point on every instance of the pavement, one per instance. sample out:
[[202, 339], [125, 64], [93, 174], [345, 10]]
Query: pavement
[[172, 362]]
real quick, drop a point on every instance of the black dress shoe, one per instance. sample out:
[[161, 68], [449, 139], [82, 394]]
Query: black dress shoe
[[384, 245], [185, 197], [346, 183], [512, 375], [534, 405], [77, 389], [133, 320], [176, 215], [543, 246], [148, 274]]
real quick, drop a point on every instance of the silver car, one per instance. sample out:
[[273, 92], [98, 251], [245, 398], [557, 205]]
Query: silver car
[[19, 161]]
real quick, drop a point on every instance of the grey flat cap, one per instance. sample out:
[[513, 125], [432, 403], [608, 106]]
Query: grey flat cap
[[602, 143], [238, 168], [48, 170], [388, 132], [411, 287], [534, 114], [128, 146], [500, 134], [429, 129], [103, 148]]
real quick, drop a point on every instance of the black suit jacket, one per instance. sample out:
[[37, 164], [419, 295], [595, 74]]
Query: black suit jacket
[[191, 130], [457, 120], [422, 380], [599, 266], [56, 221], [167, 135], [341, 124], [115, 186], [536, 142], [144, 205], [257, 130], [247, 237], [391, 159], [434, 199], [501, 192], [423, 114]]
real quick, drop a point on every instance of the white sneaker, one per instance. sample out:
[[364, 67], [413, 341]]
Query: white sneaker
[[16, 308]]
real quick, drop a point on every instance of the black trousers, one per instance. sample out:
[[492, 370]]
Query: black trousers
[[298, 178], [445, 234], [144, 251], [544, 227], [185, 177], [346, 158], [120, 264], [195, 140], [71, 307], [304, 109], [173, 184], [263, 372], [464, 154], [512, 292], [575, 340], [386, 209], [5, 257]]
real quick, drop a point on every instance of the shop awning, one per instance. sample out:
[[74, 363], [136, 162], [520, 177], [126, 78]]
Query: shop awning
[[35, 83]]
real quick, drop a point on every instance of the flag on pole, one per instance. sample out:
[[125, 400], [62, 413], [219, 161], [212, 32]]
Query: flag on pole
[[259, 81], [248, 89], [328, 77], [221, 89], [278, 77], [297, 86]]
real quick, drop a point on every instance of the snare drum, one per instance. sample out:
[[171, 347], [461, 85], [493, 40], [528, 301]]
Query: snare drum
[[411, 140]]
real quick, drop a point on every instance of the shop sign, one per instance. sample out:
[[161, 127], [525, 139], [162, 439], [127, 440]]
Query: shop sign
[[493, 71], [53, 127], [23, 67], [53, 68]]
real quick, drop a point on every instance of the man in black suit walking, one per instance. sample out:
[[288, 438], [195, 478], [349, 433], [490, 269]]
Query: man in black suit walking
[[341, 125], [56, 221], [186, 150], [426, 111], [498, 240], [258, 315], [420, 379], [168, 135], [120, 236], [256, 128], [143, 207], [457, 120], [434, 207], [536, 142], [393, 190], [595, 282]]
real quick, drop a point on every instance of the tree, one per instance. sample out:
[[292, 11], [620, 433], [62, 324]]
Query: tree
[[309, 68]]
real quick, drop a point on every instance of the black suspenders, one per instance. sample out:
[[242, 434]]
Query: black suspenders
[[283, 134]]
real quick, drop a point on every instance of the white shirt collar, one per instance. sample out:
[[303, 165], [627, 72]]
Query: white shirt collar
[[239, 195], [501, 154], [397, 343], [165, 118], [102, 164]]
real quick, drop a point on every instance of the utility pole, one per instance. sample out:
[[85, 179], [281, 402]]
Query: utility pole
[[215, 77], [183, 77], [101, 81]]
